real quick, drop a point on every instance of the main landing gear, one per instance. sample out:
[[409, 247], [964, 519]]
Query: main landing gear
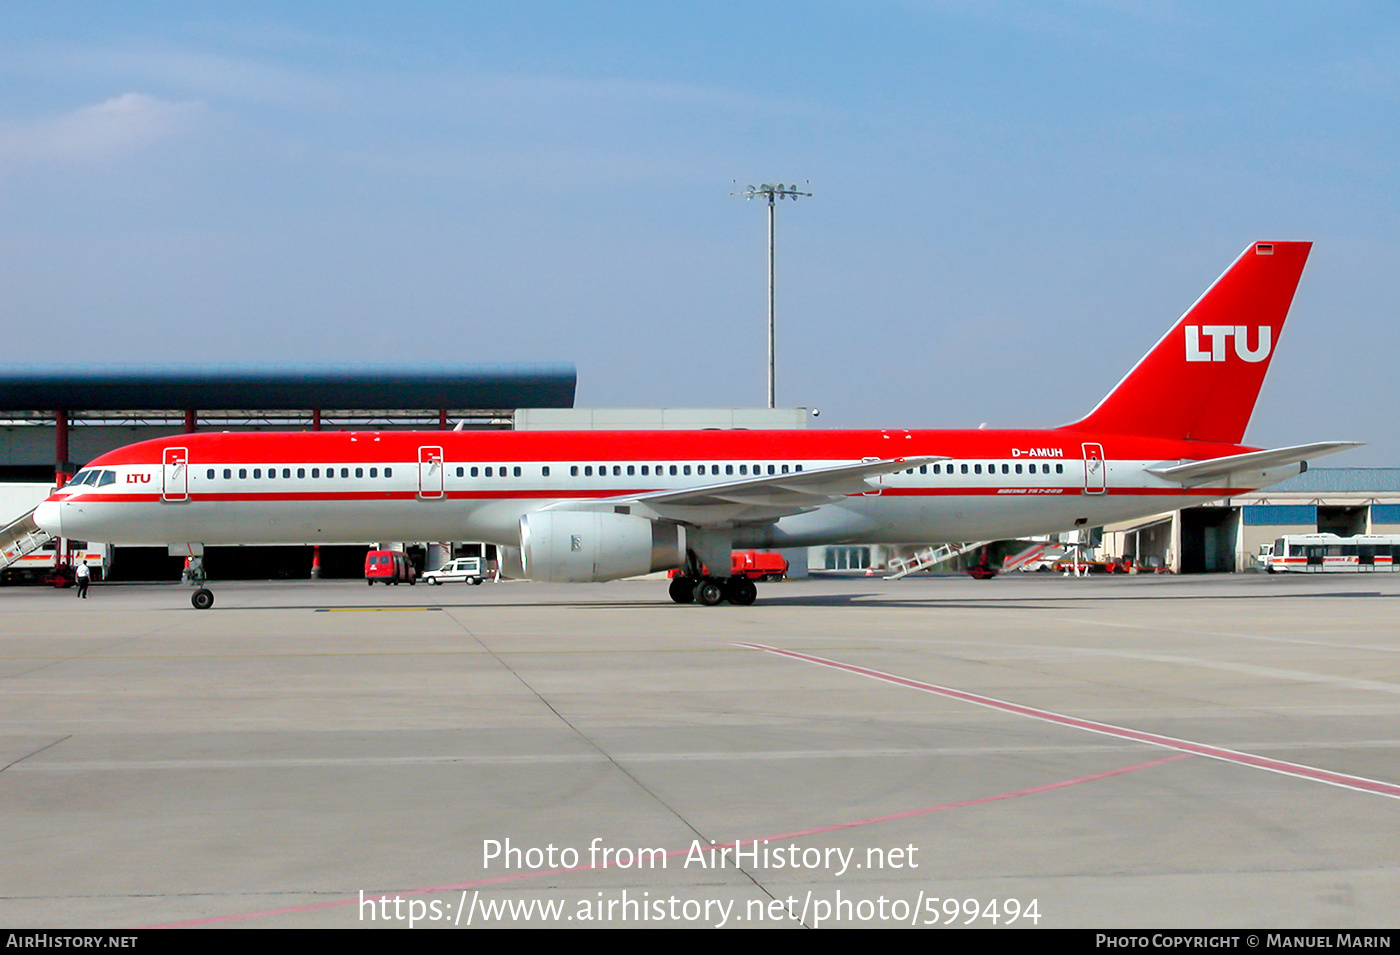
[[710, 591]]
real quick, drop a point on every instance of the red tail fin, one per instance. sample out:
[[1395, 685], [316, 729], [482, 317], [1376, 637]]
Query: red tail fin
[[1201, 380]]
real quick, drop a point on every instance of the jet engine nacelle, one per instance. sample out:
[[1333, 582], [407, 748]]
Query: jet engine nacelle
[[584, 546]]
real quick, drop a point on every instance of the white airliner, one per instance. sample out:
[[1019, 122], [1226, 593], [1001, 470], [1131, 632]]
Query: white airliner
[[592, 506]]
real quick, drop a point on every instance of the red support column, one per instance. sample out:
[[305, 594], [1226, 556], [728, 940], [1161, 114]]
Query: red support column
[[60, 451], [61, 473], [442, 419], [189, 421], [315, 419]]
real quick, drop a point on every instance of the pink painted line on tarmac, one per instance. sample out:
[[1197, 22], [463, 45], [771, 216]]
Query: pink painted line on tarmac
[[796, 834], [943, 807], [1359, 783]]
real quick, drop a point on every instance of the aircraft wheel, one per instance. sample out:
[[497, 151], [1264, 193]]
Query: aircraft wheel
[[741, 591], [682, 590], [202, 599], [708, 592]]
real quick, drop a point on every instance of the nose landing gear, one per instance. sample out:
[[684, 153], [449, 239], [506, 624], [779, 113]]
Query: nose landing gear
[[203, 597]]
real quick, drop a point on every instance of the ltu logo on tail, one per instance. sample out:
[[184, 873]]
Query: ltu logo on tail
[[1215, 336]]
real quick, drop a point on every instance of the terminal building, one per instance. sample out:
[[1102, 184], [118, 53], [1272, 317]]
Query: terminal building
[[54, 420]]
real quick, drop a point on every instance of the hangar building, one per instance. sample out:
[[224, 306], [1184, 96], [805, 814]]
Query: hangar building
[[1226, 536]]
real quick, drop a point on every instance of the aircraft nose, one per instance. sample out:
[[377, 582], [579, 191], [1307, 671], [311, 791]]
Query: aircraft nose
[[48, 516]]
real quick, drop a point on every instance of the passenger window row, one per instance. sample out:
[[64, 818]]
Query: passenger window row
[[102, 478], [257, 474], [502, 471], [991, 469], [681, 470]]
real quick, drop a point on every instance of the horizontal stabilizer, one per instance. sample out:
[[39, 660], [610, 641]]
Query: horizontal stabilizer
[[1199, 472]]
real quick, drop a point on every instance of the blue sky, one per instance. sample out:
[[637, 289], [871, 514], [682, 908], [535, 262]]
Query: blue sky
[[1012, 200]]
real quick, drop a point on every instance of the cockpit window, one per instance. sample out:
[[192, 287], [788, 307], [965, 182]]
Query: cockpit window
[[93, 478]]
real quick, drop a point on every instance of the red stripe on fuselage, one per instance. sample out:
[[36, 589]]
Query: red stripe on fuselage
[[511, 447]]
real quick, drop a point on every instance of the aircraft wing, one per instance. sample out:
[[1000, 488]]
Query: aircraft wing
[[1253, 462], [756, 499]]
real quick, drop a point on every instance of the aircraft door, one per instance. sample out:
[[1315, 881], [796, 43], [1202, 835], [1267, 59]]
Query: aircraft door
[[1095, 469], [430, 473], [175, 475]]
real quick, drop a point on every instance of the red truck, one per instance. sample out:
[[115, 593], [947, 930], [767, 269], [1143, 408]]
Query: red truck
[[753, 564]]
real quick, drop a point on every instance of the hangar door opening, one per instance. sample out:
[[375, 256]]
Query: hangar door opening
[[1208, 539], [1150, 545], [1342, 521]]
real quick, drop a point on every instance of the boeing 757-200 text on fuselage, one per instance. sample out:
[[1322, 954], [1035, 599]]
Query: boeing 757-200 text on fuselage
[[592, 506]]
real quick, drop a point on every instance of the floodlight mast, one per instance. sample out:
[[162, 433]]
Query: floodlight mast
[[771, 193]]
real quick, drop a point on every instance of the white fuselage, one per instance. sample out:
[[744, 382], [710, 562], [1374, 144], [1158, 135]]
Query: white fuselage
[[213, 501]]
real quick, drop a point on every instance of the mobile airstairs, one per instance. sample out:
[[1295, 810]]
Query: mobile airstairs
[[1040, 549], [20, 537], [929, 557]]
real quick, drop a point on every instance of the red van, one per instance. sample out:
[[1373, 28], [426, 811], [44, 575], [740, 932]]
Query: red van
[[389, 567]]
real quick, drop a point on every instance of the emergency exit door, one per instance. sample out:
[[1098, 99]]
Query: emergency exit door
[[175, 475], [430, 476], [1095, 469]]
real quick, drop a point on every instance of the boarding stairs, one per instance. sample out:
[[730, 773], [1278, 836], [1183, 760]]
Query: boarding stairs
[[21, 536], [929, 557], [1046, 548]]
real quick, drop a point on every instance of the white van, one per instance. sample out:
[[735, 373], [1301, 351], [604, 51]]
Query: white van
[[465, 569]]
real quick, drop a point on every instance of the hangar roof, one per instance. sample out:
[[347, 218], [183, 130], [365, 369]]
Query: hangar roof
[[1340, 479], [282, 387]]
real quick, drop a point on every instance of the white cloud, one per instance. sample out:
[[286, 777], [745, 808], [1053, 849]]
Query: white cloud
[[115, 127]]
